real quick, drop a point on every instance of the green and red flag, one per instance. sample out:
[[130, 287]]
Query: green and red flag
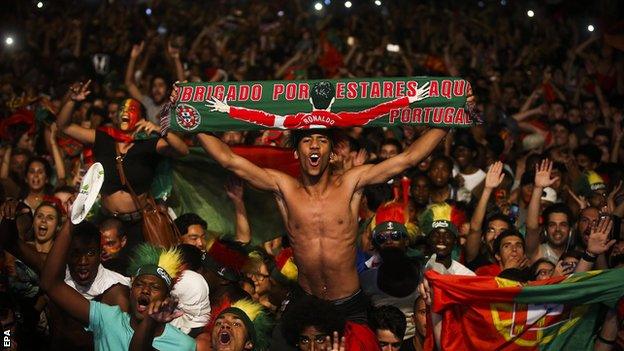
[[259, 105], [198, 187], [490, 313]]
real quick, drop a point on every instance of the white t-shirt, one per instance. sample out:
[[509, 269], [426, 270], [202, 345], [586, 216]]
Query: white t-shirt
[[104, 279], [471, 181], [368, 281], [456, 268]]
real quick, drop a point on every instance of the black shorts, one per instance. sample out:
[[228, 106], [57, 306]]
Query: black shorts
[[354, 308]]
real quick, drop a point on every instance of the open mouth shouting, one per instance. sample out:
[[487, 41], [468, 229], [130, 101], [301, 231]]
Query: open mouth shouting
[[225, 338], [142, 303], [42, 230], [83, 273], [315, 159]]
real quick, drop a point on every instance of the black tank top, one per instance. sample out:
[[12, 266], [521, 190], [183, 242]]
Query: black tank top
[[139, 163]]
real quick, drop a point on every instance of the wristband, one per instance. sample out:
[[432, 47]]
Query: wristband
[[589, 257]]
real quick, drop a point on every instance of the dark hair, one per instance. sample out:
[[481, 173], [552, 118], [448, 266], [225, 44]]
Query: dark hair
[[65, 189], [496, 217], [191, 256], [377, 194], [572, 253], [310, 311], [527, 178], [389, 318], [558, 208], [465, 139], [592, 152], [496, 245], [516, 274], [562, 122], [298, 134], [188, 219], [86, 233], [443, 158], [322, 94], [392, 141], [46, 165], [113, 223], [533, 268]]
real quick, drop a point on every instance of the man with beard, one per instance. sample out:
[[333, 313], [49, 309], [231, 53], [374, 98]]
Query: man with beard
[[557, 220], [154, 273], [320, 209], [394, 282], [157, 96]]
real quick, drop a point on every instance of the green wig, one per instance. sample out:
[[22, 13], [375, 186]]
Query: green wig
[[166, 264]]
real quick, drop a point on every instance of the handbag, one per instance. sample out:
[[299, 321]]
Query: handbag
[[157, 227]]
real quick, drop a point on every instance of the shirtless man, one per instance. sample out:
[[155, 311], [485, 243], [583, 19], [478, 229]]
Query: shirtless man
[[320, 209]]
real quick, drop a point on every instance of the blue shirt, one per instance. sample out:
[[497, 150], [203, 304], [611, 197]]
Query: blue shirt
[[111, 331]]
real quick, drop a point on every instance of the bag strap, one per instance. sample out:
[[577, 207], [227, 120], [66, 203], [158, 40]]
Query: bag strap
[[123, 179]]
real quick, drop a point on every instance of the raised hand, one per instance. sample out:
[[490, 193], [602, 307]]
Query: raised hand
[[173, 51], [421, 93], [494, 176], [80, 91], [234, 189], [598, 242], [611, 198], [218, 105], [425, 291], [338, 343], [137, 49], [542, 174], [164, 311], [360, 158], [580, 199]]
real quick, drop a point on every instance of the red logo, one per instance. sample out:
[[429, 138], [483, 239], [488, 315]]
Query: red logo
[[187, 117]]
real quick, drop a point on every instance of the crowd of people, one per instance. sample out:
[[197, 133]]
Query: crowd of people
[[533, 193]]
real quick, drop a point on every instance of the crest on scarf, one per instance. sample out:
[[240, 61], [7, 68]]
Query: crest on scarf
[[187, 117]]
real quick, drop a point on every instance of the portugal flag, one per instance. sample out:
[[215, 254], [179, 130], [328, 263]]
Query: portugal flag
[[489, 313]]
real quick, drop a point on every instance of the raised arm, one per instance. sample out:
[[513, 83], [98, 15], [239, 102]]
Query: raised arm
[[542, 180], [70, 300], [51, 134], [598, 244], [129, 78], [261, 178], [174, 53], [493, 179], [77, 92], [234, 189], [381, 172]]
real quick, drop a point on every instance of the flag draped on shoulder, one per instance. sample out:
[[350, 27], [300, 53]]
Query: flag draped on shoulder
[[381, 102], [489, 313]]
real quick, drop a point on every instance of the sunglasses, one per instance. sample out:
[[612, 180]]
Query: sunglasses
[[384, 236]]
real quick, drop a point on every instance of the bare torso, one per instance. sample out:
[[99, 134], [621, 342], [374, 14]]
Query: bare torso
[[322, 230]]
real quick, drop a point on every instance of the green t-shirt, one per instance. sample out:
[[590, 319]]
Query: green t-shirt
[[111, 331]]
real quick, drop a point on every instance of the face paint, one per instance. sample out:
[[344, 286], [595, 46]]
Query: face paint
[[130, 114]]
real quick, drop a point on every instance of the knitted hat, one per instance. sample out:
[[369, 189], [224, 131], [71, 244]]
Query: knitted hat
[[253, 315], [442, 215], [285, 270], [165, 264]]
